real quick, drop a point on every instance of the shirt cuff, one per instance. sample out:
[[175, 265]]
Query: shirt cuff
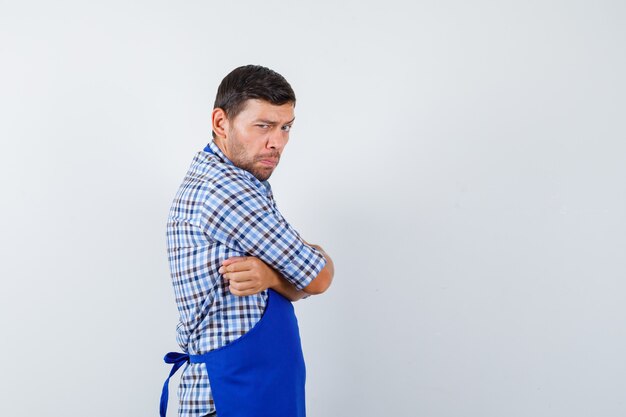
[[304, 267]]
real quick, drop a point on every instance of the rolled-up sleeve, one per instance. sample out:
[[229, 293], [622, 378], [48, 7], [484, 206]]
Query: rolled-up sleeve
[[237, 214]]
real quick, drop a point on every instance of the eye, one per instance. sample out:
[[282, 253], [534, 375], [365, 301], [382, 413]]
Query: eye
[[286, 128], [263, 126]]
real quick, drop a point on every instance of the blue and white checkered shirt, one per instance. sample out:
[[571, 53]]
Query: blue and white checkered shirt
[[221, 211]]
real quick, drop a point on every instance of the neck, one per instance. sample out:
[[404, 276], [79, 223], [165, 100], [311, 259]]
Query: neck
[[222, 145]]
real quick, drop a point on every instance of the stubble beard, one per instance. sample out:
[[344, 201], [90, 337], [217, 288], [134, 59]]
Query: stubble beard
[[241, 160]]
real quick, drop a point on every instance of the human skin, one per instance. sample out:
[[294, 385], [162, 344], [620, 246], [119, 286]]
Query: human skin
[[256, 137], [254, 140], [249, 275]]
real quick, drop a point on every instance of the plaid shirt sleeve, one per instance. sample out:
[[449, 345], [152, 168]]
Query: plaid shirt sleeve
[[237, 214]]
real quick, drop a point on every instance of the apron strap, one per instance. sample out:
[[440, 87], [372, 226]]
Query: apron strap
[[178, 359]]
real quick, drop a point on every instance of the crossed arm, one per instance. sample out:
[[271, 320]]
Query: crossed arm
[[239, 215], [249, 275]]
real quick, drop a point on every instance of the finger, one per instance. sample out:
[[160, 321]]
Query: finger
[[244, 293], [242, 286], [238, 266], [238, 276], [239, 288]]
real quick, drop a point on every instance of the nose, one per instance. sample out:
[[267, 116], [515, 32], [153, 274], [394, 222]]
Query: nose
[[277, 139]]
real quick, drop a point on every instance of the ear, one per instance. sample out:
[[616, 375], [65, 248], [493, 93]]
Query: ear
[[219, 122]]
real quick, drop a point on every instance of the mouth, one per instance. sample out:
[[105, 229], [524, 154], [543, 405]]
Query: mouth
[[270, 162]]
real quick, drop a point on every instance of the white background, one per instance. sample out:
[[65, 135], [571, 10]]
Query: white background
[[462, 162]]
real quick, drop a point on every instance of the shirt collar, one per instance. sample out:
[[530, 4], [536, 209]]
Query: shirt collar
[[212, 148]]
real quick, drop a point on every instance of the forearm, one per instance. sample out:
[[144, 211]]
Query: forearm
[[287, 289], [247, 275], [323, 280]]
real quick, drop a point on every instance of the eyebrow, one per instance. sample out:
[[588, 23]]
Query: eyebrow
[[272, 122]]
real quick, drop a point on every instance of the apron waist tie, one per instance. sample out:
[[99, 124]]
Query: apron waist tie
[[260, 374], [178, 360]]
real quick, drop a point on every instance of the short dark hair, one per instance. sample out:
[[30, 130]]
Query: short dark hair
[[252, 82]]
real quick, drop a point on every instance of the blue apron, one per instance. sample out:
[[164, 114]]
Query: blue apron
[[261, 374]]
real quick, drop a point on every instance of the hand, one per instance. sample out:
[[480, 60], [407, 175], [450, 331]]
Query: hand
[[248, 275]]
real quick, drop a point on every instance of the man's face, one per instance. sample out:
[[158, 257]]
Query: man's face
[[257, 136]]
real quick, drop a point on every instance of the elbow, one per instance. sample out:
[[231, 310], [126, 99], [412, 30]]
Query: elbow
[[320, 284], [316, 288]]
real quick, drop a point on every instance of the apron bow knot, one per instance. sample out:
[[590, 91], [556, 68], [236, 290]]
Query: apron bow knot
[[177, 359]]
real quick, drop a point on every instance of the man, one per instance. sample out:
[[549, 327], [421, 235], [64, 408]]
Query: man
[[237, 264]]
